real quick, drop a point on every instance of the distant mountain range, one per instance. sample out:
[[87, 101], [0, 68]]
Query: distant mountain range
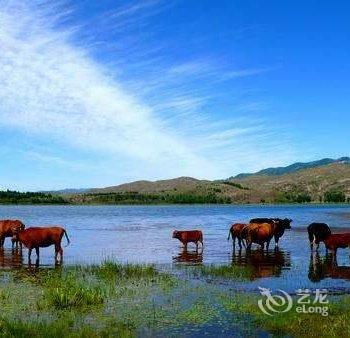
[[293, 167], [318, 181]]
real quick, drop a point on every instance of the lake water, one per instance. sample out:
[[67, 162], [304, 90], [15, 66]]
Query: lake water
[[142, 234]]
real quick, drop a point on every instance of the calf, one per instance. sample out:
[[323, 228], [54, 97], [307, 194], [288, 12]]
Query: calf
[[8, 228], [335, 241], [318, 232], [194, 236], [35, 238], [236, 232]]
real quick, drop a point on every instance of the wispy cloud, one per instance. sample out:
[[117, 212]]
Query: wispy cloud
[[53, 87]]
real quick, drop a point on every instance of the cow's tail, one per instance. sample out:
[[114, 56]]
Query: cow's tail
[[68, 241], [229, 234]]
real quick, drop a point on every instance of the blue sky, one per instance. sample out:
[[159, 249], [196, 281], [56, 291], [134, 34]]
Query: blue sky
[[97, 93]]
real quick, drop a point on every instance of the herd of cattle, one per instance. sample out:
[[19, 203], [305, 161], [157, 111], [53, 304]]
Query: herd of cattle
[[259, 230], [32, 238], [262, 230]]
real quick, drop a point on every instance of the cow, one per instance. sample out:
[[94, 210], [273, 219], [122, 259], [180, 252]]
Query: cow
[[42, 237], [335, 241], [318, 232], [7, 229], [185, 237], [259, 233], [281, 225], [236, 232]]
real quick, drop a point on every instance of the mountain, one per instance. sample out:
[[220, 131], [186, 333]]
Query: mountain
[[294, 167], [308, 184], [326, 180], [181, 184]]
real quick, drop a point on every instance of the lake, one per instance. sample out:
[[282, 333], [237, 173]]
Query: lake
[[142, 234]]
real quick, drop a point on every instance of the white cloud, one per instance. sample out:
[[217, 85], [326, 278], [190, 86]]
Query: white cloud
[[51, 87]]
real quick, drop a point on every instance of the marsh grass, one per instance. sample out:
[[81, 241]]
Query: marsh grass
[[293, 324], [114, 300], [226, 271]]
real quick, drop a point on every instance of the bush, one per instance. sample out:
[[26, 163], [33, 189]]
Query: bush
[[334, 196]]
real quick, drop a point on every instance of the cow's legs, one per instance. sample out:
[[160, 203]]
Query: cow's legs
[[276, 242], [267, 245], [29, 254], [58, 251], [2, 240], [240, 243], [311, 240], [37, 252]]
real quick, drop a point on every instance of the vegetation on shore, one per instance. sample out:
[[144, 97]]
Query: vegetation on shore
[[16, 197], [135, 198]]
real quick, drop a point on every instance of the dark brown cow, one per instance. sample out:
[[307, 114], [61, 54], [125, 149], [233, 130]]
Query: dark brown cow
[[236, 232], [8, 227], [335, 241], [194, 236], [42, 237]]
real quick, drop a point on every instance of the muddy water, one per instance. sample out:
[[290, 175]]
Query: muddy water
[[142, 234]]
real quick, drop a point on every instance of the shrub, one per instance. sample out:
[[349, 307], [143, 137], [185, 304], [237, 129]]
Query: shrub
[[334, 196]]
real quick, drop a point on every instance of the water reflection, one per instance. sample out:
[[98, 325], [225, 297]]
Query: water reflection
[[11, 258], [186, 256], [326, 267], [263, 263]]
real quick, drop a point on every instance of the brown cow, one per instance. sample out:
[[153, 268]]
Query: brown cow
[[194, 236], [236, 232], [35, 238], [259, 233], [335, 241], [7, 229], [262, 233]]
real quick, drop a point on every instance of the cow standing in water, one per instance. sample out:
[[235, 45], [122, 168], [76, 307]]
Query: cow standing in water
[[335, 241], [236, 232], [42, 237], [185, 237], [8, 228], [318, 232], [280, 225], [262, 233]]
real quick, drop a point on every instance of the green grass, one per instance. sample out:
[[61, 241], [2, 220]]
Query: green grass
[[116, 300], [226, 271], [293, 324]]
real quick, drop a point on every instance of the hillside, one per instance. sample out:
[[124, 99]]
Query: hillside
[[306, 184], [322, 183], [294, 167]]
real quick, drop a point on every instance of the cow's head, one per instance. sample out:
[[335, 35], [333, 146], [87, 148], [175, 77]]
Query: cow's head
[[15, 230], [175, 234], [285, 223]]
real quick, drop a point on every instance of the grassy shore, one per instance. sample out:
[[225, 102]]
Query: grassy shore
[[114, 300]]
